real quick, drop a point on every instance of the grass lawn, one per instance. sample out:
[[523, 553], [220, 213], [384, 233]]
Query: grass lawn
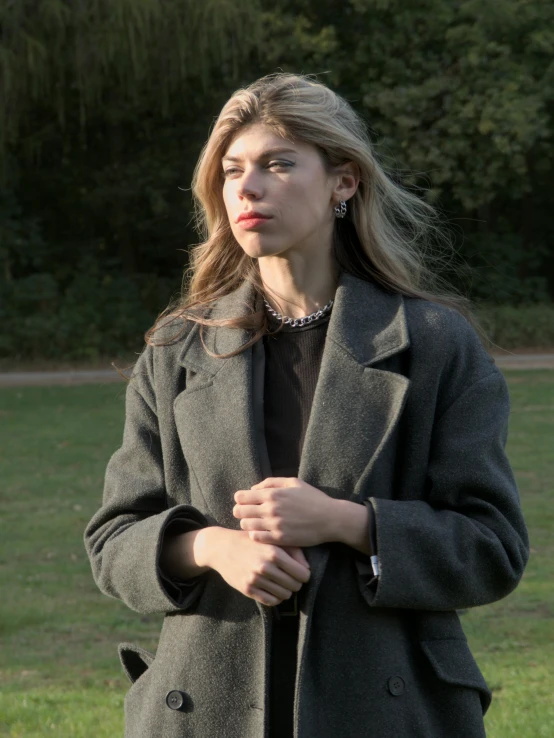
[[59, 673]]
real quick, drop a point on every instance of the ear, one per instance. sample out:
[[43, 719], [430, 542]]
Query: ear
[[347, 179]]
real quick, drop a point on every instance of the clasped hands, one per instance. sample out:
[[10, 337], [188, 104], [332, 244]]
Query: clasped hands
[[284, 514], [285, 511], [278, 517]]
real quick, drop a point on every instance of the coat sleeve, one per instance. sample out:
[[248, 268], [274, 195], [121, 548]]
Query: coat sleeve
[[124, 538], [465, 544]]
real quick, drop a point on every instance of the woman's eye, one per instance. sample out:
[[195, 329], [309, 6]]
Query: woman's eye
[[283, 164], [277, 164]]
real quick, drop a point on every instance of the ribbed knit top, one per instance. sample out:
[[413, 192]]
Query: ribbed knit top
[[292, 362]]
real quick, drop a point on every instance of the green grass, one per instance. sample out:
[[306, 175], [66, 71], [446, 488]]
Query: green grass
[[59, 673]]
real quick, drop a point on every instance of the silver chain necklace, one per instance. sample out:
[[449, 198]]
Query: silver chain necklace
[[296, 322]]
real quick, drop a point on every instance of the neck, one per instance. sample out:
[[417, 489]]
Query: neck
[[296, 286]]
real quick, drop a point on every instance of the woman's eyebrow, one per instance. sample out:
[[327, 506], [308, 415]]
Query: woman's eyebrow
[[263, 155]]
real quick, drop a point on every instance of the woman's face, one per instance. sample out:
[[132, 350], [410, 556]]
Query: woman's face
[[286, 183]]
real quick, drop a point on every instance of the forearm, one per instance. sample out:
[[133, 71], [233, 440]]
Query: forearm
[[187, 555], [350, 525]]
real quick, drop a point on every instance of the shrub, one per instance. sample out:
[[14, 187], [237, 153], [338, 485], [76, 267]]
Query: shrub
[[95, 315], [526, 326], [106, 314]]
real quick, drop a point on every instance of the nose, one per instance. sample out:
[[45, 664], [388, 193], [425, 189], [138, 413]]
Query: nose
[[250, 185]]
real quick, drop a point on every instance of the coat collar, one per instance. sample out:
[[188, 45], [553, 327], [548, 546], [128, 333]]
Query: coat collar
[[366, 322]]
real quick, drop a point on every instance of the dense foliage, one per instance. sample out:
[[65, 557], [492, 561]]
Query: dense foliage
[[105, 104]]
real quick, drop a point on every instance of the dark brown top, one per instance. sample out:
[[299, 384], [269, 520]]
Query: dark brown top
[[292, 362]]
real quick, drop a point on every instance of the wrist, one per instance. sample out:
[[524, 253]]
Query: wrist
[[336, 522], [206, 546], [350, 523]]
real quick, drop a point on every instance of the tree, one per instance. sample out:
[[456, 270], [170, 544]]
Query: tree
[[458, 96], [71, 60]]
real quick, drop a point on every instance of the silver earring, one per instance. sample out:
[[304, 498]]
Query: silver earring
[[340, 209]]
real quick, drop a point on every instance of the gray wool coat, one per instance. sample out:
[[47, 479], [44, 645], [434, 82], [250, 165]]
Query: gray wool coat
[[409, 412]]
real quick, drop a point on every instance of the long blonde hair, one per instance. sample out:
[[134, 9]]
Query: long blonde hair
[[386, 237]]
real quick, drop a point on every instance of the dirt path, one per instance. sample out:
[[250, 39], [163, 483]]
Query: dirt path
[[105, 376], [524, 361], [44, 379]]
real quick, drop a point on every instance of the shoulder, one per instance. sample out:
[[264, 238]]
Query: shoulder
[[158, 363], [445, 344], [170, 330], [438, 322]]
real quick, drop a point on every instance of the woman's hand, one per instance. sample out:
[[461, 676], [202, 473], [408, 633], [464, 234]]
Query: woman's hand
[[286, 511], [268, 574]]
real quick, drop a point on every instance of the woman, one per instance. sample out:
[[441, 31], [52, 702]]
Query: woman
[[309, 501]]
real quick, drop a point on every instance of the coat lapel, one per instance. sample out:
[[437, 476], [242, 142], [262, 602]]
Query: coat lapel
[[215, 413], [354, 411], [355, 406]]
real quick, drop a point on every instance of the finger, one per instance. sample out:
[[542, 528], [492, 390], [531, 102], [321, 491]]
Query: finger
[[272, 482], [277, 590], [257, 524], [264, 536], [266, 598], [248, 511], [286, 562], [277, 576], [297, 554], [250, 496]]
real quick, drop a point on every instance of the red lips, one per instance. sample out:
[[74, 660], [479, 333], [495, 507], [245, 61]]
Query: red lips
[[251, 215]]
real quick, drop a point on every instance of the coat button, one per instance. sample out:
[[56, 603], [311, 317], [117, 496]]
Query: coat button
[[396, 685], [175, 699]]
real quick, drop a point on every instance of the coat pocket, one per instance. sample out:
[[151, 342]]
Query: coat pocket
[[134, 659], [453, 663]]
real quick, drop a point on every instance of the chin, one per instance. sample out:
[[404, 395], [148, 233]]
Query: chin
[[258, 250]]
